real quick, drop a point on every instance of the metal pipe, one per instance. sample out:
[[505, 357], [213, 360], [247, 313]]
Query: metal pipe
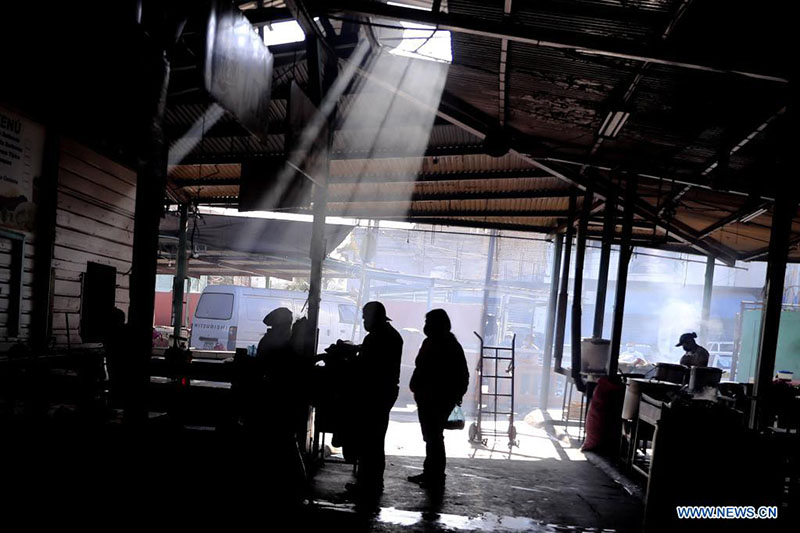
[[782, 215], [488, 282], [561, 320], [625, 251], [609, 225], [364, 254], [317, 251], [707, 290], [544, 389], [179, 280], [577, 291]]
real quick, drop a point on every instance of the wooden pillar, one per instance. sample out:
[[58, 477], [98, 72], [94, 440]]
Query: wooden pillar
[[625, 251], [179, 281], [544, 388], [561, 317], [782, 215], [609, 226], [47, 191], [577, 292]]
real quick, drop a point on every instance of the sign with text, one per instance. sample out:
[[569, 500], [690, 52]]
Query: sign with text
[[21, 149]]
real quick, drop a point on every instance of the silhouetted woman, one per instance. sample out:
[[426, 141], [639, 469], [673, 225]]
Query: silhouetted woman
[[439, 382]]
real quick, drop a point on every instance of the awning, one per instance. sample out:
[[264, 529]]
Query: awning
[[228, 245]]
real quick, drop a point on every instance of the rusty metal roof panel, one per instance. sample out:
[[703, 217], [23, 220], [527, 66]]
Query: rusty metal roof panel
[[198, 172], [617, 22], [450, 135], [216, 191], [535, 222], [398, 137], [456, 186], [475, 86], [491, 10], [458, 165]]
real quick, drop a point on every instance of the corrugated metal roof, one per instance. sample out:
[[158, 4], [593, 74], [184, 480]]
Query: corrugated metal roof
[[216, 171], [455, 164], [680, 120]]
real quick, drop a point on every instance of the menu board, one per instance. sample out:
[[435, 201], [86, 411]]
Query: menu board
[[21, 148]]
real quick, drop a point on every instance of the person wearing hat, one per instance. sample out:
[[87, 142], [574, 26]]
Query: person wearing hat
[[247, 384], [695, 354], [279, 324], [280, 401], [376, 378]]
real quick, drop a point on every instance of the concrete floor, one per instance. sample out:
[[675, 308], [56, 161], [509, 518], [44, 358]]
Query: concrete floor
[[544, 484], [65, 473]]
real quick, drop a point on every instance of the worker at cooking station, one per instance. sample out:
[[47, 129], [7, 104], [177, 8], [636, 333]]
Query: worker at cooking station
[[695, 354]]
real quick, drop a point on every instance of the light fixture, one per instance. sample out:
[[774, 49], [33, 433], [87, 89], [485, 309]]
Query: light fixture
[[613, 123], [757, 213]]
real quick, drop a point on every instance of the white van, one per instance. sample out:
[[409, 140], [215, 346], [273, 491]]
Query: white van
[[229, 317]]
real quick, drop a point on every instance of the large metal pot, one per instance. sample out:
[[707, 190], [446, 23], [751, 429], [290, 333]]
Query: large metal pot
[[670, 372], [595, 354], [637, 386], [703, 377]]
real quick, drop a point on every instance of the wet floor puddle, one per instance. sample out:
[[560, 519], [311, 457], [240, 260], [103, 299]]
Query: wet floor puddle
[[453, 522]]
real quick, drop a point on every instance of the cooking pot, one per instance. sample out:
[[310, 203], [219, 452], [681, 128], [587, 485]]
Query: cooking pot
[[637, 386], [671, 372], [595, 354], [702, 377]]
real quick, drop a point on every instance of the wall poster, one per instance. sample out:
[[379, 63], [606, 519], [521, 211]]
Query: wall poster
[[21, 149]]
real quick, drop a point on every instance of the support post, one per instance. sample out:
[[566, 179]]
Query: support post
[[487, 282], [609, 226], [363, 288], [317, 252], [179, 281], [561, 317], [708, 287], [625, 251], [150, 191], [544, 388], [318, 82], [45, 240], [782, 215], [577, 291]]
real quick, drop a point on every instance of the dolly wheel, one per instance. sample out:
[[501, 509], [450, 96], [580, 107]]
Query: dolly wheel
[[474, 433]]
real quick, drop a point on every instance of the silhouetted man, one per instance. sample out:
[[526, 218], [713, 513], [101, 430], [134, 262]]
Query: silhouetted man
[[377, 375], [439, 382]]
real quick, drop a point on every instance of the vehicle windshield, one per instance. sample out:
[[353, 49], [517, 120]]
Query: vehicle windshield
[[347, 313], [215, 306]]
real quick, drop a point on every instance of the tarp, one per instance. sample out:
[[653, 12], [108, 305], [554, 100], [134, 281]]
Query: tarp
[[279, 238]]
